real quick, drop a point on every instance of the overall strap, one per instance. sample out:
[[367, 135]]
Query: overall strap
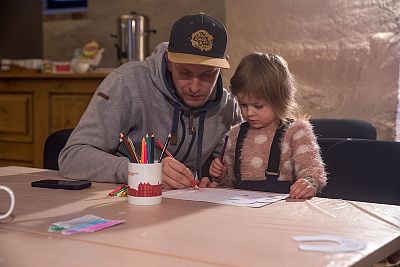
[[274, 160], [271, 183], [244, 127]]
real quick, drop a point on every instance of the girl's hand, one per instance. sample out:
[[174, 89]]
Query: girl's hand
[[302, 188], [214, 184], [205, 182], [218, 169]]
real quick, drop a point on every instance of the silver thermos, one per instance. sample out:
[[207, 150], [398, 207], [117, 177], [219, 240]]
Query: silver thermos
[[133, 37]]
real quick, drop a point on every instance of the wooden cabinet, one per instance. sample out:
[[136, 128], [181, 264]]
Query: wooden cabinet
[[33, 105]]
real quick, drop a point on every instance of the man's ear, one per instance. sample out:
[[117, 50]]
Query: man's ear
[[168, 61]]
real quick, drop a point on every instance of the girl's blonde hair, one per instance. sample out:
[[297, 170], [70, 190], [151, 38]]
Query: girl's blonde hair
[[267, 76]]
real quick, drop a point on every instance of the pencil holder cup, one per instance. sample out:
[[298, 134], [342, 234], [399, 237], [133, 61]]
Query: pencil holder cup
[[144, 183]]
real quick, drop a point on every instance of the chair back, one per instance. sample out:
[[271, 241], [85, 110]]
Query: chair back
[[326, 143], [363, 170], [55, 142], [343, 128]]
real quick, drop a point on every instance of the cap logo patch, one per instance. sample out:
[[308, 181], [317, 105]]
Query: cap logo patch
[[202, 40]]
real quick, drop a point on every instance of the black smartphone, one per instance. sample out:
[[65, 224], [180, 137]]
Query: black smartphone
[[62, 184]]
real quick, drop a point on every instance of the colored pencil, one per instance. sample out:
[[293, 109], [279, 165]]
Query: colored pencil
[[133, 149], [223, 149], [147, 139], [142, 156], [116, 190], [160, 145], [165, 151], [194, 184], [125, 151], [164, 148], [152, 148], [128, 147]]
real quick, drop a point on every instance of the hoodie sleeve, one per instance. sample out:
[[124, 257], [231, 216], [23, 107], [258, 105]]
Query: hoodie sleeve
[[88, 154]]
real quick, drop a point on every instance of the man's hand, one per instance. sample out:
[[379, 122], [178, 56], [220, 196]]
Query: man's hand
[[175, 174]]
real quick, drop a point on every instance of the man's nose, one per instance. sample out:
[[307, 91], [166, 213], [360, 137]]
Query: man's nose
[[195, 85]]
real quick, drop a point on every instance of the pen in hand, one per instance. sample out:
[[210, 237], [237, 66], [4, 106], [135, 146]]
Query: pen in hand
[[165, 151], [223, 149], [221, 158], [194, 184]]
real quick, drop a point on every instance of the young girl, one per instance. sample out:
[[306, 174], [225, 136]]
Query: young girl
[[273, 150]]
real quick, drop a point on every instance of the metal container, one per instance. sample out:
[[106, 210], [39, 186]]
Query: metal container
[[133, 37]]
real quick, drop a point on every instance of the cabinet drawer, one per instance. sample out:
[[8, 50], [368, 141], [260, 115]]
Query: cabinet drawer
[[16, 117]]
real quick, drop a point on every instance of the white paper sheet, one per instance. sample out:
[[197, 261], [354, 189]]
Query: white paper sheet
[[242, 198]]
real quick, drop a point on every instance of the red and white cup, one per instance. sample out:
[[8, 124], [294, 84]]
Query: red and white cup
[[144, 183]]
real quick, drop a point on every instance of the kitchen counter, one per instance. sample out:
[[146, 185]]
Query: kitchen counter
[[99, 73], [34, 105]]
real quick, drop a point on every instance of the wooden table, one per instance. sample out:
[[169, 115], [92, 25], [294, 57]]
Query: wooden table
[[184, 233]]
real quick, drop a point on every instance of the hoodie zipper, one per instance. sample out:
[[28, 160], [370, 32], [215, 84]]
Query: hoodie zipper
[[192, 128]]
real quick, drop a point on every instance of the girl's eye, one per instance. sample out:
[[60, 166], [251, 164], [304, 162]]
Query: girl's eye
[[242, 105], [258, 106]]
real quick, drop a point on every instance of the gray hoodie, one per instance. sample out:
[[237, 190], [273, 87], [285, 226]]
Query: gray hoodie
[[139, 98]]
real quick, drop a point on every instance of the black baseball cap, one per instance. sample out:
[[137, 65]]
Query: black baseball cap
[[198, 39]]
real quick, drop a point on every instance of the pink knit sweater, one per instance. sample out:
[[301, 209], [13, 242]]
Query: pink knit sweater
[[300, 156]]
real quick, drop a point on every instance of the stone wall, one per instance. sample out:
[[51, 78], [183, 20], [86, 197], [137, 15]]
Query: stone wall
[[61, 37], [345, 54]]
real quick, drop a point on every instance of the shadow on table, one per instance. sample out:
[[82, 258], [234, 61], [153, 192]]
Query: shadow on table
[[37, 208]]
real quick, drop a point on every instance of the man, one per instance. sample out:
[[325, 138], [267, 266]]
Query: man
[[177, 90]]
